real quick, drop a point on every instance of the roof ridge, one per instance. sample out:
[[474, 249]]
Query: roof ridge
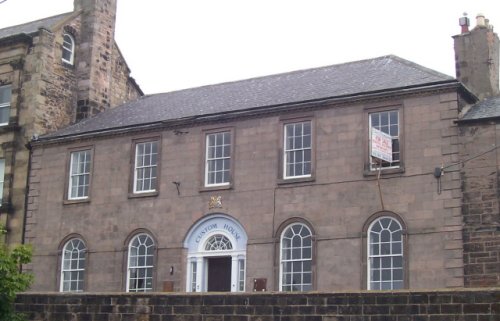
[[283, 73], [37, 20]]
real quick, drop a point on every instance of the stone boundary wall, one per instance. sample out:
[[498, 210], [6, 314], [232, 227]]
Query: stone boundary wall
[[446, 305]]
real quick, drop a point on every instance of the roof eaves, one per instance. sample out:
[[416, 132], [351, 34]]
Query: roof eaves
[[477, 120], [20, 37]]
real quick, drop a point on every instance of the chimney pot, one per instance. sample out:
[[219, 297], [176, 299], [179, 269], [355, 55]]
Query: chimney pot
[[480, 20], [464, 23]]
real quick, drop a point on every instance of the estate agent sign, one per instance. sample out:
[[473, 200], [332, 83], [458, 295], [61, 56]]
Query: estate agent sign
[[381, 145]]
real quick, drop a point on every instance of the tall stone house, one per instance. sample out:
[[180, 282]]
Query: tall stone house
[[477, 60], [269, 184], [53, 72]]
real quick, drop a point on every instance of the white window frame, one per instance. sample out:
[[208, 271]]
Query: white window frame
[[194, 267], [389, 256], [283, 261], [6, 104], [241, 274], [68, 46], [2, 178], [67, 260], [147, 268], [212, 159], [293, 150], [385, 165], [75, 174], [151, 165]]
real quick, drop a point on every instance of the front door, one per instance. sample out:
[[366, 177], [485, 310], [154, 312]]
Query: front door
[[219, 274]]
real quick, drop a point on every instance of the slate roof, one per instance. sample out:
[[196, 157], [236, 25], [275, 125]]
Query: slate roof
[[342, 80], [33, 26], [487, 108]]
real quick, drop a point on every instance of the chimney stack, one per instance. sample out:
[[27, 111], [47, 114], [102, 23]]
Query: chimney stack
[[477, 57], [464, 22], [95, 56]]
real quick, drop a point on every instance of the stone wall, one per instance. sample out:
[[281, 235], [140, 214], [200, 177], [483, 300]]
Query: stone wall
[[463, 305], [480, 181]]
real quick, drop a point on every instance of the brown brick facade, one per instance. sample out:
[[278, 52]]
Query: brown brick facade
[[480, 208], [336, 204]]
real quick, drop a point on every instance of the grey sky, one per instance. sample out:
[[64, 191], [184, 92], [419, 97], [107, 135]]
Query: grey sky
[[177, 44]]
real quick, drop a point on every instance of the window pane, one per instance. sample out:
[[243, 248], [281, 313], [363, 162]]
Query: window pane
[[296, 263], [297, 149], [385, 267], [218, 161], [4, 114], [146, 166]]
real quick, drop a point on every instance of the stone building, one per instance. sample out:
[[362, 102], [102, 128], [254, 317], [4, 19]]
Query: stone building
[[477, 58], [53, 72], [269, 184]]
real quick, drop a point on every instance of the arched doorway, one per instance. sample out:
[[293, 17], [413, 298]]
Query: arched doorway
[[216, 256]]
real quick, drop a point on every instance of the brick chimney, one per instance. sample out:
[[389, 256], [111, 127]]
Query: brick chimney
[[94, 52], [477, 57]]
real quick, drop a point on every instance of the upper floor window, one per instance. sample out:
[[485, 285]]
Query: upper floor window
[[385, 254], [140, 264], [296, 258], [297, 148], [387, 122], [79, 175], [2, 175], [218, 159], [5, 96], [146, 167], [68, 49], [73, 266]]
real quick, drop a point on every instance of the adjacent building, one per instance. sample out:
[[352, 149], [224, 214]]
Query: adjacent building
[[268, 184], [53, 72]]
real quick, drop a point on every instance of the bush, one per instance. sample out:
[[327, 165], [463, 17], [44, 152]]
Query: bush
[[12, 280]]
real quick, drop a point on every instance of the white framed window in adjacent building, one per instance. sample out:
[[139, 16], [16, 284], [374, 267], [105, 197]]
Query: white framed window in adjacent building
[[2, 178], [388, 122], [218, 159], [5, 97], [79, 175], [297, 160], [140, 263], [296, 258], [146, 167], [385, 254], [73, 266], [68, 49]]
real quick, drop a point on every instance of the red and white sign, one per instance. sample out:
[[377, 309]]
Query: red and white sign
[[381, 145]]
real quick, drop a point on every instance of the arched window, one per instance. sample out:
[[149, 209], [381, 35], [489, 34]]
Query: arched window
[[296, 258], [218, 243], [68, 49], [385, 254], [73, 266], [140, 264]]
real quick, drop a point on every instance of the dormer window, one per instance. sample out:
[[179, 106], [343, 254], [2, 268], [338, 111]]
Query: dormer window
[[68, 49]]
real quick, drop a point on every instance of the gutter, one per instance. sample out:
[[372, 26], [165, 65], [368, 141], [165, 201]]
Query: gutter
[[254, 111]]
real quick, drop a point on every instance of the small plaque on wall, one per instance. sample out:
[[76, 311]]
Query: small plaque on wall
[[260, 285], [168, 286]]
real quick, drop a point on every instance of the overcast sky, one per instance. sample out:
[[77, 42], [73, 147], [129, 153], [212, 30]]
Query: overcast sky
[[176, 44]]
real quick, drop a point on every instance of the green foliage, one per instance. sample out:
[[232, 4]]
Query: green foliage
[[12, 280]]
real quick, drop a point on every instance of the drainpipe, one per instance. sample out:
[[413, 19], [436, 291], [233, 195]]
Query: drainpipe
[[30, 151]]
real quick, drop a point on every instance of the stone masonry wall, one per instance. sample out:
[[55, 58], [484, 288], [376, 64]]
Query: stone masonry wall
[[463, 305], [480, 179]]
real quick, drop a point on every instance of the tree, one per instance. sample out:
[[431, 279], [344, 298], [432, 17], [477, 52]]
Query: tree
[[12, 280]]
